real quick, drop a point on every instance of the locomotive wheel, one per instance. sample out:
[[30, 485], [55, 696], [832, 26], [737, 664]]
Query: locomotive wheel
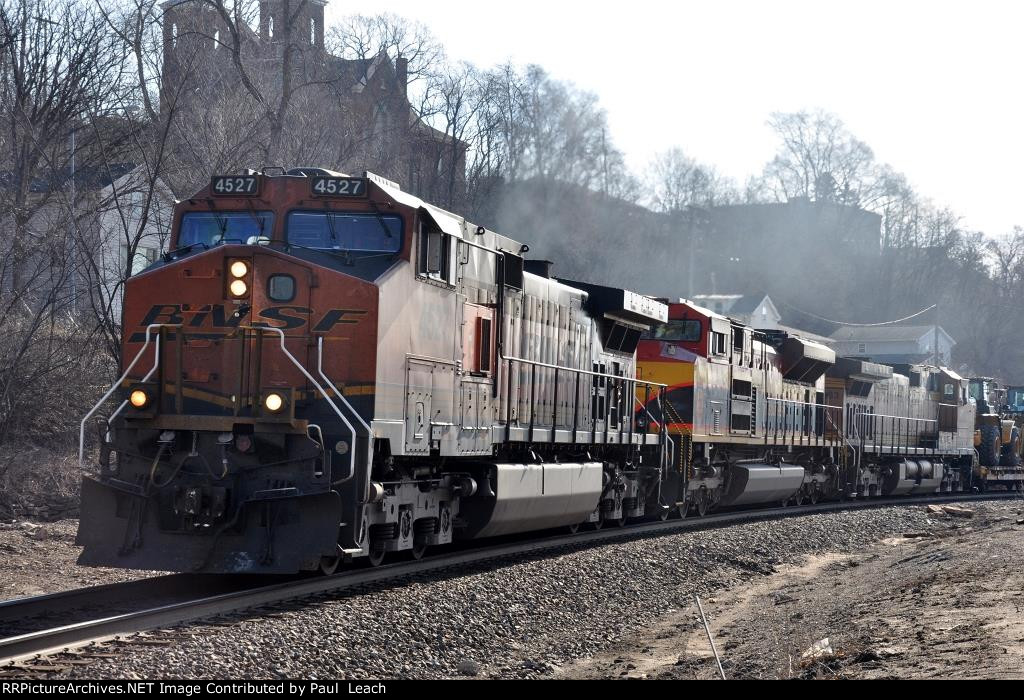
[[329, 565], [597, 524], [703, 502], [419, 548], [376, 556], [815, 493], [665, 515], [573, 529], [683, 509], [619, 522], [801, 496]]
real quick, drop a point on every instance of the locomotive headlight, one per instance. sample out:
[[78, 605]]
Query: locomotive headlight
[[238, 288], [139, 398], [273, 402], [239, 269]]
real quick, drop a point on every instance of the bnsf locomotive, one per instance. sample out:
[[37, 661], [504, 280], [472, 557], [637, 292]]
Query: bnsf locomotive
[[326, 368]]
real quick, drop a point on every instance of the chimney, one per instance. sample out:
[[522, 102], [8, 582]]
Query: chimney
[[402, 74]]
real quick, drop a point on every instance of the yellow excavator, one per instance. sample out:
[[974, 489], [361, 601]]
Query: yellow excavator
[[998, 426]]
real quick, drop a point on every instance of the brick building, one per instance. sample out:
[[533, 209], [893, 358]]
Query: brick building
[[349, 115]]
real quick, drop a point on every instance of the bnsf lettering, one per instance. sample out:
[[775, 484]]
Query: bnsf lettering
[[169, 314], [284, 320], [336, 316], [219, 315], [216, 316]]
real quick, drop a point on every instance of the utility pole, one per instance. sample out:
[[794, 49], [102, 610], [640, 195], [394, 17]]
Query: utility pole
[[693, 249], [935, 354], [74, 227]]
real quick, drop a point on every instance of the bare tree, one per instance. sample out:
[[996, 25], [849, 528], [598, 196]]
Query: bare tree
[[676, 181], [819, 160], [60, 74]]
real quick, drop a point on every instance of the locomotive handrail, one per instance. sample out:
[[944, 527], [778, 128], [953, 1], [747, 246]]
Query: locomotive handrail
[[899, 435], [807, 426], [662, 428], [131, 366], [631, 383], [506, 358], [320, 369], [314, 382]]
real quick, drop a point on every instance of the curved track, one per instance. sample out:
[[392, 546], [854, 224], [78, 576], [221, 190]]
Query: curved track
[[50, 624]]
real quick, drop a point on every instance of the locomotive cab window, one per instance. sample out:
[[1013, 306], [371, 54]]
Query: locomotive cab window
[[281, 287], [215, 227], [682, 331], [717, 343], [434, 255], [348, 232]]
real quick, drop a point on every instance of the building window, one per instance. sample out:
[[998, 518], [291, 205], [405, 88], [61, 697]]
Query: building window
[[862, 348], [143, 258]]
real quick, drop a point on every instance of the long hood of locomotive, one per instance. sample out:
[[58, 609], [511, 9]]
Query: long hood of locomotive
[[215, 362]]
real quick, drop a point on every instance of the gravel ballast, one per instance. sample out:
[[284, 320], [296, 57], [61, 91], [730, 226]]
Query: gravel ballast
[[522, 620]]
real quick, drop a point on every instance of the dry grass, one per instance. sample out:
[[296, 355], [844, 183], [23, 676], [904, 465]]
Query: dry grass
[[33, 476]]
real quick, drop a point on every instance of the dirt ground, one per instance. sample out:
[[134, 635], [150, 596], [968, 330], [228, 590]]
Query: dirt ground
[[943, 603], [40, 558]]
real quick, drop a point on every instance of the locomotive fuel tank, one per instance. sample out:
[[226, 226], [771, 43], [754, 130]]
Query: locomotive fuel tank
[[752, 483], [913, 476], [528, 497]]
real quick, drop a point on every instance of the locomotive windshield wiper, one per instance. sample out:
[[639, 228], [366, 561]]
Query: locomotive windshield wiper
[[171, 253], [330, 226], [346, 255]]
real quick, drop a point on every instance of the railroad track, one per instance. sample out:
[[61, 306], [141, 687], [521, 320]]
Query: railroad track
[[92, 616]]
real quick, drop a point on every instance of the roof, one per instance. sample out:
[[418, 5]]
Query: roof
[[717, 297], [92, 177], [892, 333], [741, 303]]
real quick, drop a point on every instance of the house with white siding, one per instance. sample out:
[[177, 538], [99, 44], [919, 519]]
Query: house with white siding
[[894, 344]]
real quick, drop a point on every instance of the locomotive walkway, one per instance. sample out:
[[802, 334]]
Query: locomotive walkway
[[92, 616]]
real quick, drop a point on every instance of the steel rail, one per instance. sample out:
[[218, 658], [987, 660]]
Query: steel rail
[[66, 637], [137, 594]]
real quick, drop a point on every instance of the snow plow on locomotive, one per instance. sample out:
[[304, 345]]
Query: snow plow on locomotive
[[325, 367]]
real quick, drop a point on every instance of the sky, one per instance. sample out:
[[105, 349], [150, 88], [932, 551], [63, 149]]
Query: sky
[[933, 87]]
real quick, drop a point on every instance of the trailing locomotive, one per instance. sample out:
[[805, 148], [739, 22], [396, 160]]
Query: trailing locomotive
[[763, 417], [325, 367]]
